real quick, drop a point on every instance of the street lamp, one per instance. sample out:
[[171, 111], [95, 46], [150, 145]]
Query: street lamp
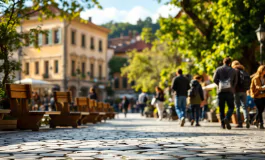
[[261, 35]]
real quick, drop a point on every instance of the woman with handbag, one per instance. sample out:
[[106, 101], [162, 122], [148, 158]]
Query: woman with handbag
[[257, 91], [159, 102]]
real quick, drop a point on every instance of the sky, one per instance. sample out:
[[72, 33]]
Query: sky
[[129, 11]]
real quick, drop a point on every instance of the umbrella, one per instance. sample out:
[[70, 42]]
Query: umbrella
[[35, 83]]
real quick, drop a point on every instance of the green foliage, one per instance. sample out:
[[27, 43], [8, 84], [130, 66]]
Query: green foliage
[[124, 28], [13, 12], [2, 93], [147, 35], [208, 31], [116, 63]]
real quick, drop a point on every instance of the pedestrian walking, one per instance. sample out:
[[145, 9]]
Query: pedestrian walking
[[52, 103], [204, 105], [196, 97], [180, 86], [160, 98], [93, 94], [243, 84], [257, 91], [142, 100], [125, 105], [46, 102], [226, 79]]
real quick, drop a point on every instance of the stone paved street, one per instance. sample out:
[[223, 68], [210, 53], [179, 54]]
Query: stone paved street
[[134, 138]]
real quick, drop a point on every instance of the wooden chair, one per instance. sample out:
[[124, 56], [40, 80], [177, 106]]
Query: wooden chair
[[6, 124], [19, 95], [100, 109], [85, 104], [110, 114], [67, 117]]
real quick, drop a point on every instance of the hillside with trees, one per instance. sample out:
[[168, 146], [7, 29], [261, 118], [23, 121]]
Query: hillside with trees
[[123, 28]]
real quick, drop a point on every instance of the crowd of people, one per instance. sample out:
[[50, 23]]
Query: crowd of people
[[233, 84]]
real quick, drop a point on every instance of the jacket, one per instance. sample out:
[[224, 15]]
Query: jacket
[[199, 96], [180, 85], [256, 90], [239, 88], [220, 75], [160, 97], [141, 98]]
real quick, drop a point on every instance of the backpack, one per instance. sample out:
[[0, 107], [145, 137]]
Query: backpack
[[225, 84], [193, 91], [145, 99], [244, 80]]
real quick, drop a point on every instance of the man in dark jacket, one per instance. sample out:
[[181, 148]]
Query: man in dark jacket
[[180, 85], [240, 96], [225, 78]]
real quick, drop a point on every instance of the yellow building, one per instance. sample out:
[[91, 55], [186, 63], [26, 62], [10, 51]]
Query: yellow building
[[73, 56]]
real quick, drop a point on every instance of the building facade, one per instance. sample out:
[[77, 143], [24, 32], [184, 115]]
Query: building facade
[[120, 83], [72, 56]]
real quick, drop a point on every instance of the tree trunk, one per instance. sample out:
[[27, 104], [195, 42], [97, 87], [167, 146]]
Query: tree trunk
[[248, 59]]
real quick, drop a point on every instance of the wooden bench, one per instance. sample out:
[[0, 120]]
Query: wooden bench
[[108, 111], [100, 109], [19, 95], [67, 117], [87, 105], [112, 112], [6, 124]]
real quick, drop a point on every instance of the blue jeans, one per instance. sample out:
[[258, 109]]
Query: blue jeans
[[195, 109], [227, 97], [142, 106], [241, 100], [180, 104], [204, 109]]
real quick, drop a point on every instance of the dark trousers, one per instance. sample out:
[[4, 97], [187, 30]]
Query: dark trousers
[[142, 106], [226, 97], [195, 109], [125, 111], [260, 103]]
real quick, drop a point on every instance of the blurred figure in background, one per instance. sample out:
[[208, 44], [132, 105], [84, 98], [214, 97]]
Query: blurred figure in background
[[160, 98], [142, 99], [125, 105], [93, 94]]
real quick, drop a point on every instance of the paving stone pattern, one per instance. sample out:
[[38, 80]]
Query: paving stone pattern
[[134, 138]]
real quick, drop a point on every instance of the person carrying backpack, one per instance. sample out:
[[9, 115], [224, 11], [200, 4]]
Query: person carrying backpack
[[196, 97], [243, 84], [142, 100], [226, 79]]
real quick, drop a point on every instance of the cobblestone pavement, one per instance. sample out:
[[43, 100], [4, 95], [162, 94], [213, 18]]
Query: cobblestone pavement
[[134, 138]]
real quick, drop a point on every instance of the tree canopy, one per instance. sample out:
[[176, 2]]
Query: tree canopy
[[124, 28], [208, 31], [197, 40]]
